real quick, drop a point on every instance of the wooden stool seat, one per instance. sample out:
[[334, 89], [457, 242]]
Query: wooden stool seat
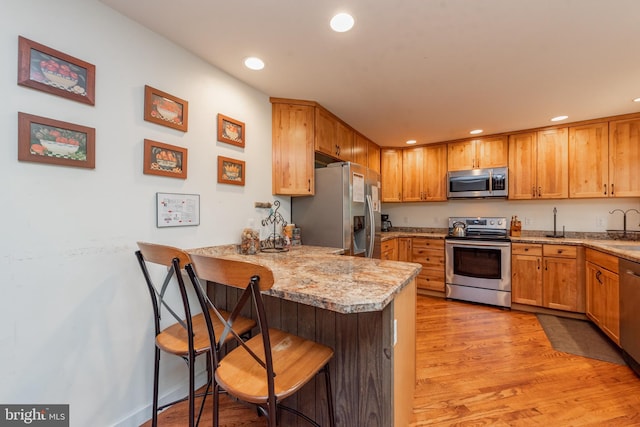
[[174, 338], [295, 362]]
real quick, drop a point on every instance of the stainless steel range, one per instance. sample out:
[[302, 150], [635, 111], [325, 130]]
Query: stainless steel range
[[478, 260]]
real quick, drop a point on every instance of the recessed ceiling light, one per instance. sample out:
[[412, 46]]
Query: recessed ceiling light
[[254, 63], [476, 131], [558, 118], [411, 141], [636, 100], [341, 22]]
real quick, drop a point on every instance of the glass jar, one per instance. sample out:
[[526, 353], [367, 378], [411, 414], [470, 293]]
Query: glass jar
[[250, 241]]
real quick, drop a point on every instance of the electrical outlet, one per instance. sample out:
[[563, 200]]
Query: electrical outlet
[[599, 221], [528, 221], [406, 220]]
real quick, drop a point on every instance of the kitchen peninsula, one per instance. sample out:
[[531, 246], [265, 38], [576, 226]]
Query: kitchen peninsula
[[363, 308]]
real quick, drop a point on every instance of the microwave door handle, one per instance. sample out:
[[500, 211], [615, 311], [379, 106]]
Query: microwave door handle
[[490, 181]]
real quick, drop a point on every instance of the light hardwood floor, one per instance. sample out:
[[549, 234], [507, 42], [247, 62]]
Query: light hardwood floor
[[483, 366]]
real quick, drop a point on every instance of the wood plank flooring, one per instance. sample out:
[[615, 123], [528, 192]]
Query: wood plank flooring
[[483, 366]]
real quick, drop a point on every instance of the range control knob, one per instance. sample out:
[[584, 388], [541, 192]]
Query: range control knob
[[499, 222], [491, 222]]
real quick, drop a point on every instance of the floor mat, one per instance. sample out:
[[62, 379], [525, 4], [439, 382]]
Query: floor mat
[[579, 337]]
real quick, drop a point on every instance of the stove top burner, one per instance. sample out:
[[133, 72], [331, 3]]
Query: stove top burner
[[480, 228]]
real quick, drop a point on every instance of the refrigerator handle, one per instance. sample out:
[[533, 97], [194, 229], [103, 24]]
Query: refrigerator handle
[[372, 226]]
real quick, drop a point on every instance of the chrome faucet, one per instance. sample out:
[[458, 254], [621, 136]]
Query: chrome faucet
[[624, 217]]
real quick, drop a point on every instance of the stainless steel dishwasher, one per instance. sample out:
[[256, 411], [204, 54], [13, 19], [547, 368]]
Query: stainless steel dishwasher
[[630, 313]]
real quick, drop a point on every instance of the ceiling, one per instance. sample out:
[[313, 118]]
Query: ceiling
[[429, 70]]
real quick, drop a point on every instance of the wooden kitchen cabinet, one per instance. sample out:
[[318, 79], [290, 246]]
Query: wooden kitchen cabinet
[[589, 161], [526, 273], [603, 293], [548, 276], [430, 254], [373, 156], [391, 174], [604, 158], [389, 250], [292, 149], [332, 137], [539, 165], [490, 152], [404, 248], [424, 173], [359, 150], [624, 158]]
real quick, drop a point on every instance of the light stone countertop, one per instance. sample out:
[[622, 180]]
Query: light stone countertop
[[321, 277], [627, 249]]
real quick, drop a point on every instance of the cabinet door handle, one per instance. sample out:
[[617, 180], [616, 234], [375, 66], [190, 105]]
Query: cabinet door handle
[[538, 263], [605, 189], [612, 189], [309, 186], [539, 191], [546, 265], [598, 274], [533, 191]]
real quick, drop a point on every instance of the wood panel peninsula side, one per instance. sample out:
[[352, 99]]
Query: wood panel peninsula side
[[365, 309]]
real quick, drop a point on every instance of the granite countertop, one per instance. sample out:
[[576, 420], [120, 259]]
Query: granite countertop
[[321, 277], [627, 249]]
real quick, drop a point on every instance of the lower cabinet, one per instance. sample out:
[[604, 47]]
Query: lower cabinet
[[389, 250], [603, 294], [548, 276], [404, 249], [430, 253]]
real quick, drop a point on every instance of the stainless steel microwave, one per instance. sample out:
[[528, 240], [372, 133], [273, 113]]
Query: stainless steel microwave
[[478, 183]]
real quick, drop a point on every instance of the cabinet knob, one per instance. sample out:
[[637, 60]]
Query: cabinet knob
[[605, 189], [612, 189]]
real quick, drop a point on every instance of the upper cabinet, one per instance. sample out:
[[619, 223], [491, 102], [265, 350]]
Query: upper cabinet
[[391, 174], [333, 137], [604, 158], [292, 150], [589, 161], [424, 173], [538, 165], [624, 158], [302, 128], [373, 156], [490, 152], [359, 150]]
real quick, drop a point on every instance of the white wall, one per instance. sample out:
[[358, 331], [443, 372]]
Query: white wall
[[76, 321], [576, 215]]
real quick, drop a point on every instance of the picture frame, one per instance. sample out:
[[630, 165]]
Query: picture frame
[[177, 210], [164, 159], [165, 109], [44, 140], [231, 131], [49, 70], [231, 171]]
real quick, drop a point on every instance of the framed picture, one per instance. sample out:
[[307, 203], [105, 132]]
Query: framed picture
[[177, 210], [230, 171], [54, 72], [51, 141], [164, 159], [230, 131], [164, 109]]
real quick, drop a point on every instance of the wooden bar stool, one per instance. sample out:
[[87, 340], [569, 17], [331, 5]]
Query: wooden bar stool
[[272, 365], [188, 337]]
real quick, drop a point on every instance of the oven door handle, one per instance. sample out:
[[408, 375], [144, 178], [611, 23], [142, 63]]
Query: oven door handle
[[480, 245]]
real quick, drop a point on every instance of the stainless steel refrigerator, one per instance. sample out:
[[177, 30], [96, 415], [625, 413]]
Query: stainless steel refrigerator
[[344, 212]]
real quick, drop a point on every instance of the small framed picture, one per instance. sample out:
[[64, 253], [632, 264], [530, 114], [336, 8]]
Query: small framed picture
[[165, 109], [164, 159], [54, 72], [230, 171], [230, 131], [51, 141], [177, 210]]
